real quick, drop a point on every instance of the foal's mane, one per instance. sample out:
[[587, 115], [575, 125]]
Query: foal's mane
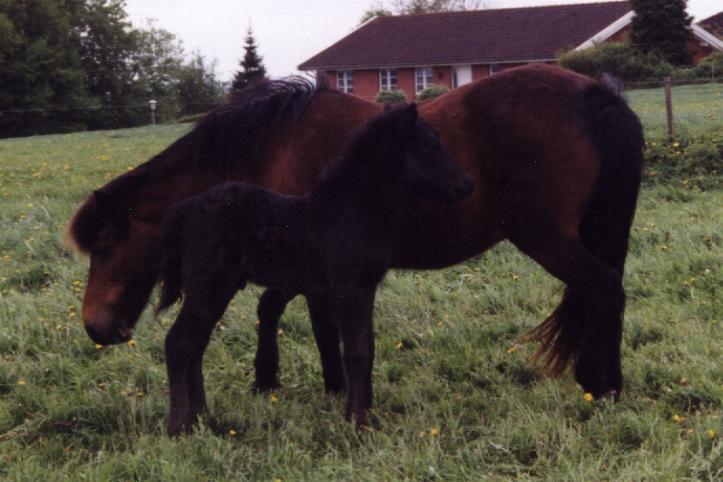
[[358, 148], [232, 133]]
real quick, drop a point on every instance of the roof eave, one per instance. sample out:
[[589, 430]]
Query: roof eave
[[608, 31], [707, 37]]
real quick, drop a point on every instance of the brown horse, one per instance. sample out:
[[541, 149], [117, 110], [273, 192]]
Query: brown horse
[[555, 158]]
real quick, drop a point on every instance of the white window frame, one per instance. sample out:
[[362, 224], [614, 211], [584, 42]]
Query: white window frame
[[385, 79], [345, 81], [426, 75]]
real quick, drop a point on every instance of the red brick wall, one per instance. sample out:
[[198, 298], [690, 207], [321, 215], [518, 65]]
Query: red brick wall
[[405, 82], [480, 72], [442, 76]]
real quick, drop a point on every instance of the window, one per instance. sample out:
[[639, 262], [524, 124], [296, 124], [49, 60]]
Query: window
[[494, 68], [345, 81], [388, 79], [423, 76]]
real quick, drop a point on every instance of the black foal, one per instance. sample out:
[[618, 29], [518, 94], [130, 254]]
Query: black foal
[[334, 244]]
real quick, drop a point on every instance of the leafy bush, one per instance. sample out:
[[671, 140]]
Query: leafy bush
[[710, 67], [620, 60], [391, 96], [432, 92]]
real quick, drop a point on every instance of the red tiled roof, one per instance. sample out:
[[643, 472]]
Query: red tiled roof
[[714, 24], [480, 36]]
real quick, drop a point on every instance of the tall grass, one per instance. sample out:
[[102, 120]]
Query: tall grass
[[454, 396]]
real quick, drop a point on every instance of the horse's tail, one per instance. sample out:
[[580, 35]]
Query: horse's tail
[[171, 259], [617, 135]]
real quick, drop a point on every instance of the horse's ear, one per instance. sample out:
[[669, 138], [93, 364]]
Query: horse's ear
[[409, 117]]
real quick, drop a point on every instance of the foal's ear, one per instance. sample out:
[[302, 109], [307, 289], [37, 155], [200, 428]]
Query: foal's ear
[[408, 117]]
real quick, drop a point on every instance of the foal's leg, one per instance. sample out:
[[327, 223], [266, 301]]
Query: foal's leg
[[354, 311], [185, 344], [599, 301], [271, 307], [326, 334]]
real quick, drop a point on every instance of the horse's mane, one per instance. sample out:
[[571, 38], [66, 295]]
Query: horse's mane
[[230, 134]]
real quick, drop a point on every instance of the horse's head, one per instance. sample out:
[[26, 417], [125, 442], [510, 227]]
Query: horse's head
[[123, 265], [429, 169]]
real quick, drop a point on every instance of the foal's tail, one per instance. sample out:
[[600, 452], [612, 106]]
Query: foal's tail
[[617, 135], [170, 273]]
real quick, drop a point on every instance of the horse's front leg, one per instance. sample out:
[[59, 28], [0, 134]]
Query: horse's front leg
[[185, 344], [271, 307], [353, 311]]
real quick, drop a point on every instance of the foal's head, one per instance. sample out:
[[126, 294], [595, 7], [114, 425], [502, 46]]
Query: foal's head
[[408, 148]]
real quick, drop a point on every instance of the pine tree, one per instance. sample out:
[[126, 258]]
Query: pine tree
[[252, 68], [662, 26]]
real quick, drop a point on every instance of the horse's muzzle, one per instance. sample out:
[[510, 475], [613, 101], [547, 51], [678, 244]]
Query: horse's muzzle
[[110, 334]]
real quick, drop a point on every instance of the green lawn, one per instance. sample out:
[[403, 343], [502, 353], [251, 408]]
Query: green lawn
[[454, 396]]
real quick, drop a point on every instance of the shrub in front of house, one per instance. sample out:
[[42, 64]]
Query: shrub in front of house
[[432, 92], [391, 96], [621, 60], [710, 67]]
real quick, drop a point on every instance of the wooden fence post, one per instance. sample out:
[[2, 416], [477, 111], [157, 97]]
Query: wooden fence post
[[669, 108]]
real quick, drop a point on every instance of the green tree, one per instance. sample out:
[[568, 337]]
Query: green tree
[[662, 26], [198, 87], [41, 68], [252, 67], [415, 7]]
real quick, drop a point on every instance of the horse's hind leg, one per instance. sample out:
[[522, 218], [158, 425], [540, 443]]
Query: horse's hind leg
[[185, 345], [587, 327], [271, 307], [326, 334]]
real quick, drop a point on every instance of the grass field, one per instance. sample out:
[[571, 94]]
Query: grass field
[[454, 396]]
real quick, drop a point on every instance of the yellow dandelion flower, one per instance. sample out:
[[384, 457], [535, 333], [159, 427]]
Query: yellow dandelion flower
[[433, 432], [132, 342], [684, 381], [273, 398], [512, 349], [257, 322], [399, 345], [711, 434], [277, 480], [21, 382], [279, 332], [676, 144], [98, 346], [232, 432], [588, 397], [677, 418], [140, 394]]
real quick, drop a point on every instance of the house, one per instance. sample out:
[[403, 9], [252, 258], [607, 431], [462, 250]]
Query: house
[[413, 52]]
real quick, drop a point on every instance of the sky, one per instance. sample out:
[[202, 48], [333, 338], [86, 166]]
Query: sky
[[287, 32]]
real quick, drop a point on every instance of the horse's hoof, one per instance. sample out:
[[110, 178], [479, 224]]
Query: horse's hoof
[[263, 388], [611, 394]]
